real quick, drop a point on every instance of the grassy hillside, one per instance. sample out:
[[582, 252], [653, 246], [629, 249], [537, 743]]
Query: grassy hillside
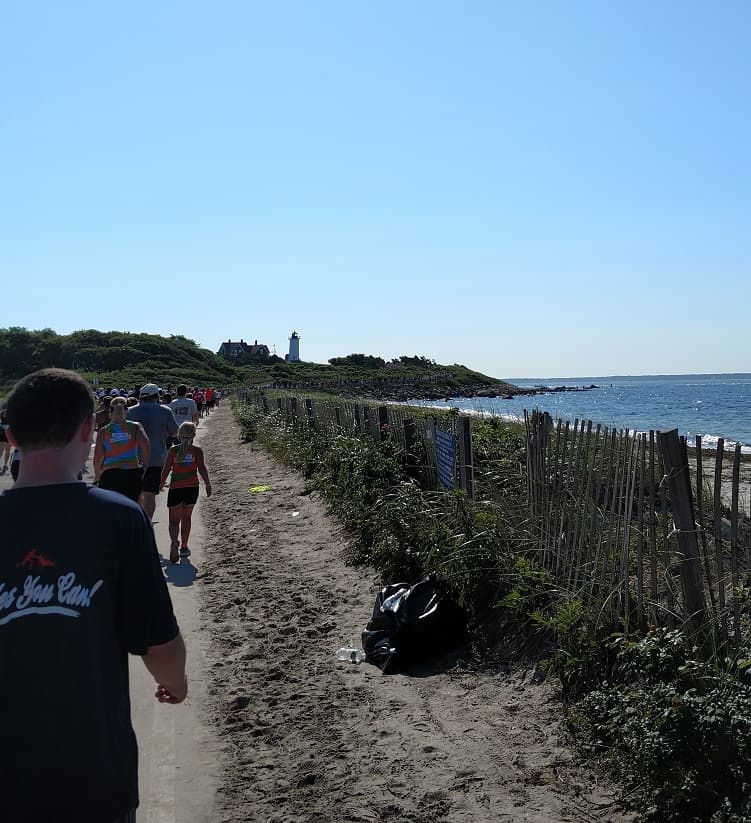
[[123, 358], [115, 358]]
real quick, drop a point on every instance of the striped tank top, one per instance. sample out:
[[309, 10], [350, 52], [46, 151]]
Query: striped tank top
[[120, 446], [184, 469]]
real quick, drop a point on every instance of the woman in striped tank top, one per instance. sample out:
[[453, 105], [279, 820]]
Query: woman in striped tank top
[[185, 462], [116, 453]]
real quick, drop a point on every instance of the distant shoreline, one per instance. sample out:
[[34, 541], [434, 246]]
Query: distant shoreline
[[608, 377], [496, 391]]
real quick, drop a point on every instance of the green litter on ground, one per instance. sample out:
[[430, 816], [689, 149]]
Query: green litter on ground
[[260, 488]]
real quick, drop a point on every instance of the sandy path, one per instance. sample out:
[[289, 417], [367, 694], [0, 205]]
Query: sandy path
[[308, 739], [178, 764]]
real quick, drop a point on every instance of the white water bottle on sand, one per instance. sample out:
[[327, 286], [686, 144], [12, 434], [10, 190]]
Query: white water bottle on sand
[[351, 654]]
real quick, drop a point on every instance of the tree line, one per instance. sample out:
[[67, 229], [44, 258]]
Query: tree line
[[106, 354], [370, 361]]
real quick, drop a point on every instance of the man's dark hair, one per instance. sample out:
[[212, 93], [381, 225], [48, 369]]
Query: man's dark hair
[[46, 407], [182, 390]]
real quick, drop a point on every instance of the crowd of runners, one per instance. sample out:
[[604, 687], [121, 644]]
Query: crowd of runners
[[206, 399], [144, 442]]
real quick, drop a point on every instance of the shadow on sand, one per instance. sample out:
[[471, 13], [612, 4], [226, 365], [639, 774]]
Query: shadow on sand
[[456, 659], [179, 574]]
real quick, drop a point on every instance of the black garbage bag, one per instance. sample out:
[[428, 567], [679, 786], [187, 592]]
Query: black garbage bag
[[412, 623]]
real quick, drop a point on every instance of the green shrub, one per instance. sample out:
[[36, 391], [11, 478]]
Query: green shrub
[[676, 730], [247, 418], [402, 530]]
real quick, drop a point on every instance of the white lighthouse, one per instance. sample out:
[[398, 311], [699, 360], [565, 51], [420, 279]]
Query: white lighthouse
[[294, 348]]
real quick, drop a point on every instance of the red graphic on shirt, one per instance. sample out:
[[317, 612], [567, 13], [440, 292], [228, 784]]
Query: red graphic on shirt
[[34, 559]]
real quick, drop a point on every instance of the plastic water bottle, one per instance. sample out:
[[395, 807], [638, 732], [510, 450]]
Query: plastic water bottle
[[351, 654]]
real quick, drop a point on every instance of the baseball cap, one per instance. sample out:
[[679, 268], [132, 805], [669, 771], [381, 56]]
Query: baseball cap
[[114, 393], [149, 390]]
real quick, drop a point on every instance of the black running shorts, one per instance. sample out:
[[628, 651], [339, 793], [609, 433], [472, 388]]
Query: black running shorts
[[124, 481], [187, 495]]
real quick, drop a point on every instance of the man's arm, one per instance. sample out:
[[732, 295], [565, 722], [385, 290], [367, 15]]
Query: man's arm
[[172, 426], [166, 663], [144, 444]]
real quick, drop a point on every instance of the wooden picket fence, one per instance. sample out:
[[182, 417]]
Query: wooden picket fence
[[422, 440], [636, 526], [629, 524]]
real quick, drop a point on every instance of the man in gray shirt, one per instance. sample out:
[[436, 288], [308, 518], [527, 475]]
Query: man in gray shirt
[[160, 424]]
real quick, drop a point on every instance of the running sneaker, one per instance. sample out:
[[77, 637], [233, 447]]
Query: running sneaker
[[184, 552]]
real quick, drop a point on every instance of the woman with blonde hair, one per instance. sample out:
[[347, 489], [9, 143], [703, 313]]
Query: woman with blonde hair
[[116, 453], [185, 462]]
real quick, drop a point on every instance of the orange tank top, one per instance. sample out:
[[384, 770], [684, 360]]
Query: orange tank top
[[184, 469]]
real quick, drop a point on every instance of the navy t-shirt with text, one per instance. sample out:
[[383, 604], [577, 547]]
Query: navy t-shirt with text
[[81, 586]]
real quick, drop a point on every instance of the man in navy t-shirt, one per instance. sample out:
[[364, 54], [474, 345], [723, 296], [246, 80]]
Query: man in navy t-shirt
[[81, 587]]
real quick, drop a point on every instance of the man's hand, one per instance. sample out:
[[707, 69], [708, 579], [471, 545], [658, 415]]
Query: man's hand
[[171, 695], [166, 662]]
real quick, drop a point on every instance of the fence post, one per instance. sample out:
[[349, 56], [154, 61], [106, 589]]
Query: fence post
[[383, 421], [366, 420], [538, 428], [265, 405], [358, 423], [409, 448], [310, 409], [717, 522], [734, 540], [679, 483], [529, 441], [466, 463], [293, 406], [338, 418]]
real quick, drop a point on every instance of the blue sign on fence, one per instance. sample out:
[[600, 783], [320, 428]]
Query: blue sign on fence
[[445, 449]]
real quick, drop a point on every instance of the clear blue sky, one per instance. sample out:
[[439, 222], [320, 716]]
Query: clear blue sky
[[532, 189]]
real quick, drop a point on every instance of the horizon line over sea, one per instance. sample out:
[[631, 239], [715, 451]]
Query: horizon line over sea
[[711, 405], [579, 379]]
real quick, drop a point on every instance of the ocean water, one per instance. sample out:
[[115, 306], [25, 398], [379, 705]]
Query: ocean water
[[712, 405]]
